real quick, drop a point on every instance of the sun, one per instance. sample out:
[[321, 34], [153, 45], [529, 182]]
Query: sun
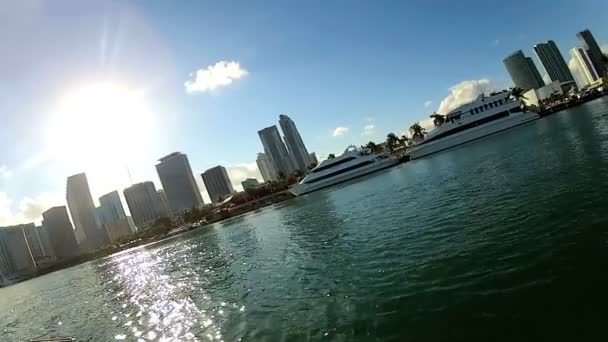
[[100, 121]]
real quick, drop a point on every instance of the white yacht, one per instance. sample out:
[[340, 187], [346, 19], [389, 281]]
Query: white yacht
[[484, 116], [351, 164]]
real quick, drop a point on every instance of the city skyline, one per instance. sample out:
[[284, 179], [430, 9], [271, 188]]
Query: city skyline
[[329, 118]]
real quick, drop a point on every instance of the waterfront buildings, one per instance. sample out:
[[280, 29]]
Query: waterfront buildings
[[45, 240], [585, 65], [90, 234], [276, 151], [553, 62], [523, 71], [164, 202], [17, 259], [266, 167], [33, 240], [594, 52], [119, 228], [144, 204], [217, 183], [178, 182], [110, 208], [60, 231], [295, 145], [313, 158], [249, 183]]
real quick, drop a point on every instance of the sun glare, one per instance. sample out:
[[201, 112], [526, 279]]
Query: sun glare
[[99, 121]]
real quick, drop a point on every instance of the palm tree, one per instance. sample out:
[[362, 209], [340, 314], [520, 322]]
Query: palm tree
[[417, 131], [404, 140], [518, 93], [372, 146], [438, 119], [331, 156], [391, 141]]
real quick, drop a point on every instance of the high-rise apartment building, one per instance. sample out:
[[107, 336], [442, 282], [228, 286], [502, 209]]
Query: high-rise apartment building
[[276, 151], [594, 52], [82, 210], [295, 144], [313, 158], [110, 208], [523, 71], [164, 202], [15, 252], [249, 183], [266, 167], [217, 183], [553, 62], [45, 240], [144, 204], [585, 65], [60, 231], [33, 240], [178, 182]]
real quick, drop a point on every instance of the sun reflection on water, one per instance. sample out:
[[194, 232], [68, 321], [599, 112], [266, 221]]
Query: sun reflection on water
[[153, 306]]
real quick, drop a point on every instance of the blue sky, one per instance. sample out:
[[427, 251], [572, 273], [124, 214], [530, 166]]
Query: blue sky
[[327, 64]]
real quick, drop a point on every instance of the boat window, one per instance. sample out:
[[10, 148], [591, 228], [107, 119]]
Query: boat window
[[476, 110], [327, 166], [469, 125], [500, 102], [346, 169], [485, 107], [491, 105]]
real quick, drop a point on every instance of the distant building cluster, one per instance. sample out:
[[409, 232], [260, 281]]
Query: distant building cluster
[[283, 157], [588, 59], [26, 248]]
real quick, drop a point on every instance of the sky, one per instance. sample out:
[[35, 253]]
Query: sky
[[109, 87]]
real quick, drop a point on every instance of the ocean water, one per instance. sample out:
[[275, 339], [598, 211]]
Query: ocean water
[[502, 239]]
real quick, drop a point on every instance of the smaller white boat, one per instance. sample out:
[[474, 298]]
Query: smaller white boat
[[351, 164]]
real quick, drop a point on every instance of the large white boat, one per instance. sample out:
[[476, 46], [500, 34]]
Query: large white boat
[[351, 164], [484, 116]]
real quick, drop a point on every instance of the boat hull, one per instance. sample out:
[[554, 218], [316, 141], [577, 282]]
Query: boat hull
[[302, 189], [471, 134]]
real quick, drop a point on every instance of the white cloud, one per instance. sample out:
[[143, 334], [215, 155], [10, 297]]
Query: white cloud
[[428, 103], [28, 209], [465, 92], [5, 172], [240, 172], [367, 130], [340, 131], [221, 74]]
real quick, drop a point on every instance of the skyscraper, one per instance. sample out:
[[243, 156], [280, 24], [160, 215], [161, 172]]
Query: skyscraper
[[33, 240], [110, 208], [523, 71], [178, 182], [553, 62], [295, 145], [61, 233], [275, 150], [16, 251], [313, 158], [217, 183], [45, 240], [249, 183], [144, 204], [83, 214], [266, 168], [594, 52], [585, 65], [162, 197]]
